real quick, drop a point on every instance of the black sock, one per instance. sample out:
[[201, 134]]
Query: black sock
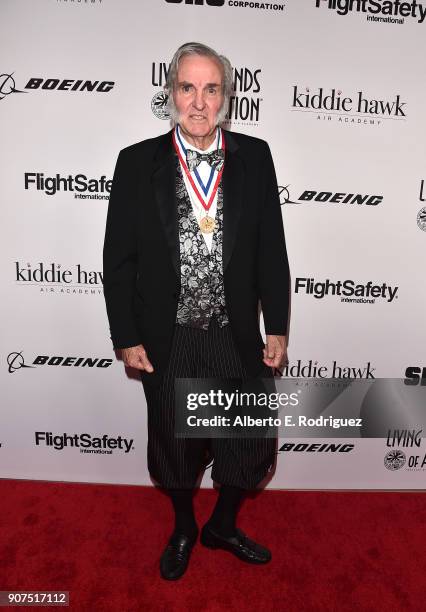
[[184, 511], [225, 512]]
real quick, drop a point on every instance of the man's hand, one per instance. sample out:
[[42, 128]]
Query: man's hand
[[275, 351], [136, 357]]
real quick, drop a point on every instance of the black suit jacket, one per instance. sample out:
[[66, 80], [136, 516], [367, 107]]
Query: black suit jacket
[[141, 263]]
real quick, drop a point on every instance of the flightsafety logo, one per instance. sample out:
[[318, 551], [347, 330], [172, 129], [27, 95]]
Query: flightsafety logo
[[384, 11], [82, 186], [347, 290], [85, 442]]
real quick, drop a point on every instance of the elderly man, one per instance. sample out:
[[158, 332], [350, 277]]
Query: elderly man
[[194, 240]]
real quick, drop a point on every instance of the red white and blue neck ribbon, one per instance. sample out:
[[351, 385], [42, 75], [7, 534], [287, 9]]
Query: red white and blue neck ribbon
[[204, 192]]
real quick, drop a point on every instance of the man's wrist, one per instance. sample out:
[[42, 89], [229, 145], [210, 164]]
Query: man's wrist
[[276, 333]]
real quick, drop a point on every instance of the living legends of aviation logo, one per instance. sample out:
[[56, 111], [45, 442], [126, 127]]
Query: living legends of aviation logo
[[355, 109], [159, 72], [395, 459], [384, 11], [410, 440], [421, 215], [244, 104], [404, 437]]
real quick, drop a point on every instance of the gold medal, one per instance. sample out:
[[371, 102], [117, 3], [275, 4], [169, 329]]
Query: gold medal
[[207, 225]]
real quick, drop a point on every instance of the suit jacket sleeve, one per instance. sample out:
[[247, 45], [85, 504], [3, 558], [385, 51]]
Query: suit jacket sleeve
[[120, 255], [273, 275]]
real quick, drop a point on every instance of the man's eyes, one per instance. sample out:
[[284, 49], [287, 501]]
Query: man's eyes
[[188, 88]]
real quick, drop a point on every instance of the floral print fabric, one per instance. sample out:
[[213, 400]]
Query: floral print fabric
[[202, 290]]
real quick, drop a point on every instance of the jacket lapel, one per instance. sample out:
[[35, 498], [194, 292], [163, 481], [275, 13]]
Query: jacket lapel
[[232, 184], [163, 181]]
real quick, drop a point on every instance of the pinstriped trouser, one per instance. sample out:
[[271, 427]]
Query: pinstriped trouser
[[177, 462]]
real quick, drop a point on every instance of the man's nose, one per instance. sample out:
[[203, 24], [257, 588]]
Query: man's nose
[[199, 101]]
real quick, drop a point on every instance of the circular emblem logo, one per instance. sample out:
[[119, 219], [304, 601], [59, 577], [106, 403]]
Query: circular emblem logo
[[421, 218], [15, 361], [394, 459], [7, 85], [159, 105]]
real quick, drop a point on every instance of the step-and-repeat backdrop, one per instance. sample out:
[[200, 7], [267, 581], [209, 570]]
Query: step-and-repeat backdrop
[[337, 89]]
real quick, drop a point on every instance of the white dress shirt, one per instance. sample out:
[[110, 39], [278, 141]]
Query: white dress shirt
[[204, 171]]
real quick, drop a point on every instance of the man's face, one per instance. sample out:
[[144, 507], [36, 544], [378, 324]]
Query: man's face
[[198, 94]]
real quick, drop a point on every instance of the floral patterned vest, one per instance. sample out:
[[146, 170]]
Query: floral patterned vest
[[202, 291]]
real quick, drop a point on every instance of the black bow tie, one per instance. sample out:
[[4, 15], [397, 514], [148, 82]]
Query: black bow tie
[[215, 159]]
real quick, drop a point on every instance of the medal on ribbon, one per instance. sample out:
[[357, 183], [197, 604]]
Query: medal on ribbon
[[204, 192]]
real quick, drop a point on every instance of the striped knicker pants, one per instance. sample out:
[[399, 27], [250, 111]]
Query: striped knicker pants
[[177, 462]]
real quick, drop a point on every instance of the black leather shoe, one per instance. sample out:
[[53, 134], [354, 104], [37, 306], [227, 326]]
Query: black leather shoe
[[239, 544], [175, 558]]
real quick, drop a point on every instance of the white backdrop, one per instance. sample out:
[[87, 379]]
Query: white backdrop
[[294, 61]]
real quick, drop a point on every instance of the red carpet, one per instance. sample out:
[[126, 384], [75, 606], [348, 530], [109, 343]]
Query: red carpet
[[331, 550]]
